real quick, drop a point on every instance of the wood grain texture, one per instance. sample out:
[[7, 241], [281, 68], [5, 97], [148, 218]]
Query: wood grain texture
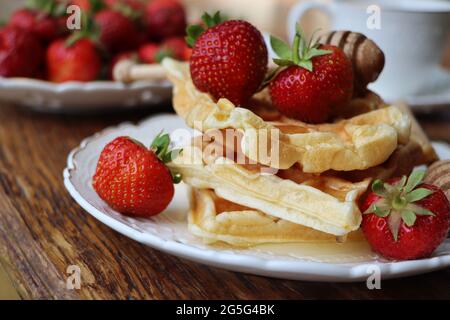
[[43, 231]]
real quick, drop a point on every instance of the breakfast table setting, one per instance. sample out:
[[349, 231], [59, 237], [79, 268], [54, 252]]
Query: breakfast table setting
[[63, 237]]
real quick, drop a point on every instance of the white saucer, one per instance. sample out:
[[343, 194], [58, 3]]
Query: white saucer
[[168, 231]]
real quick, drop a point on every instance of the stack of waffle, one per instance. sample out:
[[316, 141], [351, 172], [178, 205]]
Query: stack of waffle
[[259, 177]]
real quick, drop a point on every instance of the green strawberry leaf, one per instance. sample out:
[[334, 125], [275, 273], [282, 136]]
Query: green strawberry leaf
[[283, 62], [163, 53], [381, 206], [307, 64], [89, 30], [218, 18], [401, 183], [394, 224], [160, 147], [214, 20], [316, 53], [281, 48], [193, 32], [381, 212], [421, 211], [208, 20], [160, 144], [378, 188], [97, 5], [418, 194], [414, 180], [408, 217], [121, 7], [172, 155], [301, 53]]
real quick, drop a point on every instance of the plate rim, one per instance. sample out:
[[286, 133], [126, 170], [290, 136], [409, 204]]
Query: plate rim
[[42, 85], [285, 269]]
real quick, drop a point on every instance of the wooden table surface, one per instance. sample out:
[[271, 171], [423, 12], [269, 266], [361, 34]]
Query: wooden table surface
[[43, 231]]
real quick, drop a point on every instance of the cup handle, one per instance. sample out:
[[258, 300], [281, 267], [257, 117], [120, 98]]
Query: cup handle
[[299, 10]]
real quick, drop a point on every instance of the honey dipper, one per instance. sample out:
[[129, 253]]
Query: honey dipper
[[367, 58], [439, 175], [128, 71]]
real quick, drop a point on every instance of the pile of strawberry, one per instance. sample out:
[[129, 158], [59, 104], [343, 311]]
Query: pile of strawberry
[[36, 42]]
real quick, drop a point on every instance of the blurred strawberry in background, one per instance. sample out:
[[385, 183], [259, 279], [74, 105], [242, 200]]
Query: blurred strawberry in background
[[175, 48], [79, 61], [21, 53], [117, 32], [165, 18], [111, 30], [42, 18]]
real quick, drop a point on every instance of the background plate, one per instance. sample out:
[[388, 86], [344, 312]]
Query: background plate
[[77, 97], [168, 231]]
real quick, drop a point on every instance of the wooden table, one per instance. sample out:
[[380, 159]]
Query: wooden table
[[43, 231]]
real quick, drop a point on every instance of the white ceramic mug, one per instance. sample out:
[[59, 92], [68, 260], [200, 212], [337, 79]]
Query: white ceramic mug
[[412, 34]]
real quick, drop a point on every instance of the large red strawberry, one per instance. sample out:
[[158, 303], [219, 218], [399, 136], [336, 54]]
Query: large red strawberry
[[404, 218], [165, 18], [77, 61], [133, 179], [21, 53], [117, 32], [229, 59], [316, 79]]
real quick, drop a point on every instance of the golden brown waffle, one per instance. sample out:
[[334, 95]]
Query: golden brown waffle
[[357, 143], [215, 219], [324, 203]]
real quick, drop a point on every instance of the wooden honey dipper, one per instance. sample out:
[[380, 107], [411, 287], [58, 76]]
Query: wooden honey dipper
[[367, 58], [439, 175], [128, 71]]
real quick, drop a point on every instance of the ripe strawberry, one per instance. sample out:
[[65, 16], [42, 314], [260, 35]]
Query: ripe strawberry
[[44, 26], [21, 53], [316, 80], [229, 60], [164, 19], [117, 32], [405, 219], [175, 48], [148, 53], [78, 61], [133, 179]]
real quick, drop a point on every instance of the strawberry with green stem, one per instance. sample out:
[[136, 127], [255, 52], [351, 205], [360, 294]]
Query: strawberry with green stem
[[229, 58], [133, 179], [312, 80], [40, 17], [76, 58], [405, 218]]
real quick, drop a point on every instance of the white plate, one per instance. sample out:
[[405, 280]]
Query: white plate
[[168, 231], [83, 96]]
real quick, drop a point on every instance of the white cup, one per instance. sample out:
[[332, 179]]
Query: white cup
[[412, 34]]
